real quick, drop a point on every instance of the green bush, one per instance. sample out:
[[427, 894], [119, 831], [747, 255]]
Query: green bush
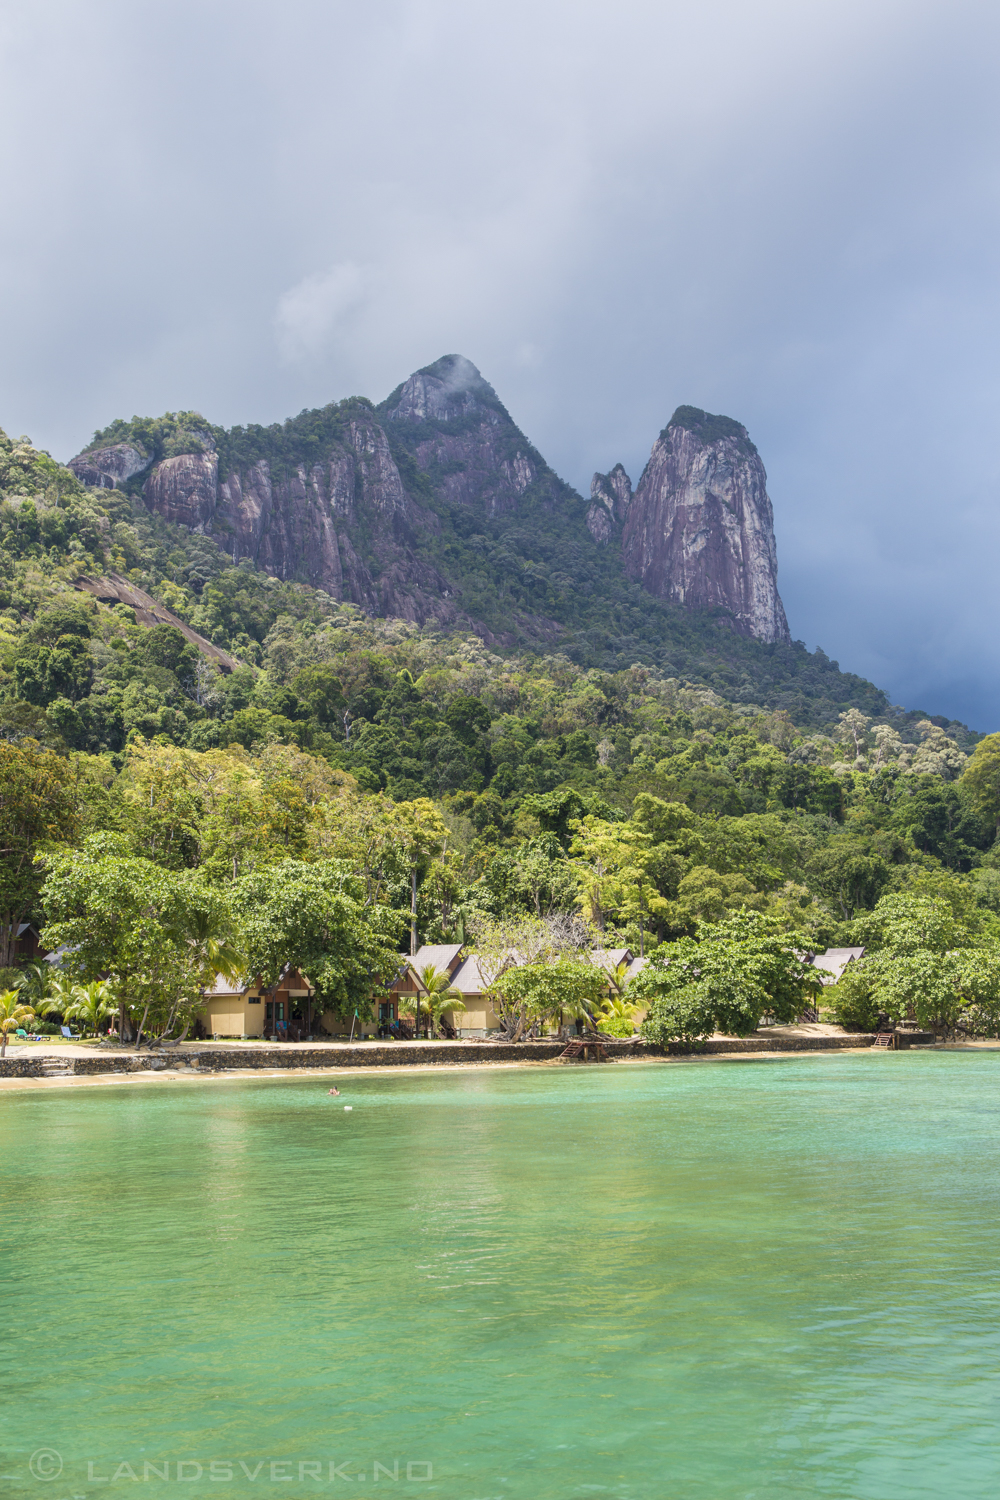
[[853, 1007], [616, 1026]]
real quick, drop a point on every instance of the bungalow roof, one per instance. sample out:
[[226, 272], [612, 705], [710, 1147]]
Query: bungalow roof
[[223, 986], [610, 958], [439, 955], [468, 980], [836, 960]]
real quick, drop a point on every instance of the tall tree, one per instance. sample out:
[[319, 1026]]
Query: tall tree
[[314, 918], [127, 920], [740, 969], [980, 781], [37, 808]]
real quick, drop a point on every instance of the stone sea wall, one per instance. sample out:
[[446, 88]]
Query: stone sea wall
[[396, 1054]]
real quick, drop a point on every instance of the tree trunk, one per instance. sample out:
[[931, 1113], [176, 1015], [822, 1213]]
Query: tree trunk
[[138, 1040], [170, 1022], [413, 912], [8, 937]]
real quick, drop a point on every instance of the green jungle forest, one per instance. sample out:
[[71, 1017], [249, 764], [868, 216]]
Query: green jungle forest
[[358, 783]]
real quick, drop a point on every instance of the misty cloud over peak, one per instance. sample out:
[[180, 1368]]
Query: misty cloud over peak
[[447, 389]]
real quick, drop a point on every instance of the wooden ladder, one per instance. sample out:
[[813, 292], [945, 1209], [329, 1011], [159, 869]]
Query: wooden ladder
[[885, 1039], [579, 1047]]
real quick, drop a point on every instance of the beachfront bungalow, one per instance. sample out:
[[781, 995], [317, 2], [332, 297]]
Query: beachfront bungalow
[[444, 957], [478, 1018], [247, 1009]]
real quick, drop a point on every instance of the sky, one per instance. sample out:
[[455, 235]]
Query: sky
[[788, 213]]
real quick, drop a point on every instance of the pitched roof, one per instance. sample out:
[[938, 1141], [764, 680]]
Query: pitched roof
[[468, 980], [636, 967], [223, 986], [610, 958], [836, 960], [440, 955]]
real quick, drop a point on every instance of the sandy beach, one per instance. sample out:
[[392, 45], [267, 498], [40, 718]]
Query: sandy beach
[[197, 1061]]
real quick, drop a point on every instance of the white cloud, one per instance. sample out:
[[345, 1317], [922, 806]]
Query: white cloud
[[311, 313]]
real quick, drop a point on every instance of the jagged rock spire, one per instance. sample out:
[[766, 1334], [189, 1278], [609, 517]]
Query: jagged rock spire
[[700, 529]]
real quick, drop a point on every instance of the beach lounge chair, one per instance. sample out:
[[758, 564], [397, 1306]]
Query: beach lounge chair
[[68, 1034]]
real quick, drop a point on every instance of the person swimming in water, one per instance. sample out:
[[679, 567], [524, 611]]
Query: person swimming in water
[[334, 1091]]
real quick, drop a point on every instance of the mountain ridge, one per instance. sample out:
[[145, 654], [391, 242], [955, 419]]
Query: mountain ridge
[[86, 674], [356, 499], [433, 507]]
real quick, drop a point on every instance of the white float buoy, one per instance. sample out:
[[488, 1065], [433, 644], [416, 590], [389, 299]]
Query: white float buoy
[[348, 1108]]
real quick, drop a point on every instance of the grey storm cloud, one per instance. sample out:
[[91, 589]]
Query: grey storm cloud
[[784, 212]]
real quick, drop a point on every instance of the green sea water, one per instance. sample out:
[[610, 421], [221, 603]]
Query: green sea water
[[703, 1280]]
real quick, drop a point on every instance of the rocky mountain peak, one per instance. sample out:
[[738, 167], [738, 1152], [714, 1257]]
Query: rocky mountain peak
[[450, 388], [611, 496], [700, 529], [401, 507], [708, 428]]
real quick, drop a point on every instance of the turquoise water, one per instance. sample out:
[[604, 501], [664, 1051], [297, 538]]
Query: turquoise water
[[704, 1280]]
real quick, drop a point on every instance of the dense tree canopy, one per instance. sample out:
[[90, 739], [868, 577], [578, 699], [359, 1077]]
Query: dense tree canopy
[[395, 778]]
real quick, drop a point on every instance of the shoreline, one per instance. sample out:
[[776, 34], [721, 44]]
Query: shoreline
[[31, 1083], [42, 1059], [31, 1068]]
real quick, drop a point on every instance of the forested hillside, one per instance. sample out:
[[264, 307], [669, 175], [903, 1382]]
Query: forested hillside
[[384, 757]]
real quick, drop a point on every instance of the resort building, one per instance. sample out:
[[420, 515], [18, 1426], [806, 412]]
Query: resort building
[[463, 975], [247, 1010], [284, 1012]]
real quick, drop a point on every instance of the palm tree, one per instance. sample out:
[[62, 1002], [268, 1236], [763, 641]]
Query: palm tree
[[12, 1015], [438, 993], [212, 953], [212, 948], [91, 1003], [618, 978], [574, 1008], [59, 992], [616, 1016], [34, 982]]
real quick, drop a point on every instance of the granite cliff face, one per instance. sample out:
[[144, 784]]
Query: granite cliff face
[[434, 506], [611, 496], [109, 468], [700, 529]]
